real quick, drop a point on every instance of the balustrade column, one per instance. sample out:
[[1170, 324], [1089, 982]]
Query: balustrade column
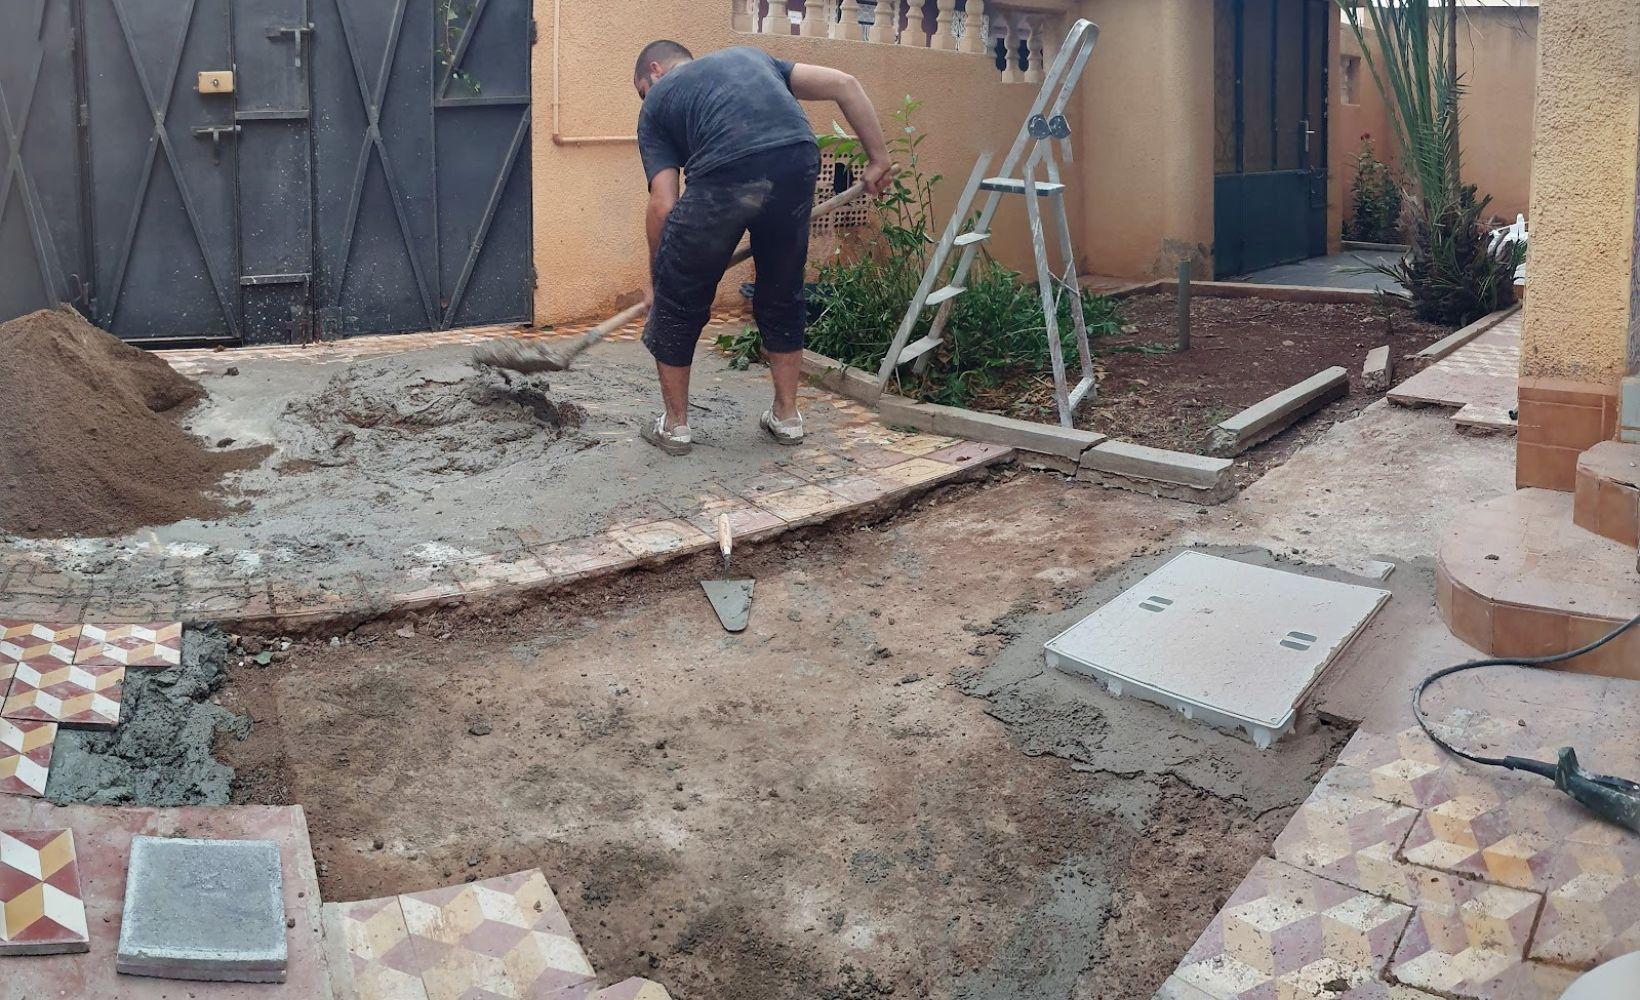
[[775, 22], [848, 25], [1010, 49], [1033, 72], [885, 28], [816, 14], [972, 17], [942, 38], [742, 17]]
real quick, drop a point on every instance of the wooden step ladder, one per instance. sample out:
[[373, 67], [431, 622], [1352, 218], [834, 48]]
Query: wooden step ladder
[[1044, 125]]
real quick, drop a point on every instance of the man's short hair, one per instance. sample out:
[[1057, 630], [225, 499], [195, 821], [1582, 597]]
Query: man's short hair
[[663, 51]]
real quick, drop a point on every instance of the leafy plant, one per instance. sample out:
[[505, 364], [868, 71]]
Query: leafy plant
[[1451, 274], [1375, 199], [744, 348], [995, 332], [455, 19]]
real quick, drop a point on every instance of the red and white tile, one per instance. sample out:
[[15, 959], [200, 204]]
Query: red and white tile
[[42, 911], [83, 695], [22, 641], [25, 755], [153, 645]]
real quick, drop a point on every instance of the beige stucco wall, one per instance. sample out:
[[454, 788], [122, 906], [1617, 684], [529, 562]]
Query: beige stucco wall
[[1583, 190], [589, 199], [1497, 56], [1145, 137]]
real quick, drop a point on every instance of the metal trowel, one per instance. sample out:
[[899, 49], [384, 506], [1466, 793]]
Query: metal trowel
[[731, 599]]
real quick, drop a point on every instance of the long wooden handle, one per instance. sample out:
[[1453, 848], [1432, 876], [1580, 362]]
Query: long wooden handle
[[742, 255]]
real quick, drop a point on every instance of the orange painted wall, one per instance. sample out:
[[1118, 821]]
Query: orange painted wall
[[1497, 57]]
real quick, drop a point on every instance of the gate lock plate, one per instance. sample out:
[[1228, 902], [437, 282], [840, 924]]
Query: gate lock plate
[[216, 81]]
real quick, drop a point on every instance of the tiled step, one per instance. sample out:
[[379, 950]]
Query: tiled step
[[1607, 496], [1516, 577]]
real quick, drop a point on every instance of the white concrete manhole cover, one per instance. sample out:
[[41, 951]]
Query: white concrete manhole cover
[[1231, 644]]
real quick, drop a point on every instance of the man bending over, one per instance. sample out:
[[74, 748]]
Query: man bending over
[[731, 121]]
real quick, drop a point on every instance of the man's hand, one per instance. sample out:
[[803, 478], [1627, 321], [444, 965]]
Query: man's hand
[[821, 83], [877, 176], [649, 294]]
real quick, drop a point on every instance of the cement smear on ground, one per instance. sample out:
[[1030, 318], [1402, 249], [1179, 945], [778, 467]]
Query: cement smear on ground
[[426, 426], [160, 755], [423, 451]]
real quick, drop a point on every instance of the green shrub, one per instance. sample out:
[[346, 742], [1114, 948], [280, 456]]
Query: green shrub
[[995, 331], [1375, 199]]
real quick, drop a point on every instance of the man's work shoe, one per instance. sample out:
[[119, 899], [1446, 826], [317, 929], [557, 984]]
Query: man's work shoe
[[672, 440], [787, 432]]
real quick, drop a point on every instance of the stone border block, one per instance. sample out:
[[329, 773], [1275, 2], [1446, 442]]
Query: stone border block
[[1049, 439], [855, 383], [1274, 414], [1376, 372], [1451, 342], [1137, 461], [1283, 293]]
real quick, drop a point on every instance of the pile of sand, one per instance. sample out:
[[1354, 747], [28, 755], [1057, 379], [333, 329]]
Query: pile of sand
[[90, 443], [422, 425]]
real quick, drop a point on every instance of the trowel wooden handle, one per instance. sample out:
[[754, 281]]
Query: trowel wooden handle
[[821, 210], [725, 536]]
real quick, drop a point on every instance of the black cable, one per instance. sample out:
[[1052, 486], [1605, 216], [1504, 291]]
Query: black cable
[[1512, 763]]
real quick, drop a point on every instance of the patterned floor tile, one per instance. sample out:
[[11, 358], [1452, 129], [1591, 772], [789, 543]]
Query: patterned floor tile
[[915, 472], [84, 695], [801, 503], [503, 937], [1593, 916], [1466, 937], [1349, 838], [659, 537], [964, 454], [918, 444], [31, 641], [633, 989], [25, 755], [862, 487], [744, 518], [381, 961], [151, 645], [41, 909], [1402, 767], [1285, 933]]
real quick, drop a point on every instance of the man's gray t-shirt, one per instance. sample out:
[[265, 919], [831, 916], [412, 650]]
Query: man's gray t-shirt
[[717, 109]]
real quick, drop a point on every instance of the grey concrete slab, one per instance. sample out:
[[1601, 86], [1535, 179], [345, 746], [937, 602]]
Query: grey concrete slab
[[1339, 270], [204, 910], [1232, 644]]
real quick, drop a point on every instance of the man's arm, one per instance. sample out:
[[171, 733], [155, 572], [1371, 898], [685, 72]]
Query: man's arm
[[822, 83], [663, 195]]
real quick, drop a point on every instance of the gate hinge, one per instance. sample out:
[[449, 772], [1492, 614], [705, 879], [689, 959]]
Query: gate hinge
[[85, 114], [535, 32], [535, 277]]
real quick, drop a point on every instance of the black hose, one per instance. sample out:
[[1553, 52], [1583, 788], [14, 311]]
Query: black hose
[[1512, 763]]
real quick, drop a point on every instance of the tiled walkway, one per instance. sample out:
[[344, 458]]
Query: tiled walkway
[[1478, 380], [849, 462], [1412, 875]]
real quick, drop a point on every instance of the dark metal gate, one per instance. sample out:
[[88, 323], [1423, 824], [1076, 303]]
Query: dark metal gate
[[269, 170], [1270, 159]]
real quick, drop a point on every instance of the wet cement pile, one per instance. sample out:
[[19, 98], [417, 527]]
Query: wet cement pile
[[160, 755], [91, 444], [424, 425]]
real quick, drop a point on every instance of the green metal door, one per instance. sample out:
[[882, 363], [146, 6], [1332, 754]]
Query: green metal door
[[1270, 153]]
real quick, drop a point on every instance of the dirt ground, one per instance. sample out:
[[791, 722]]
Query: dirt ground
[[877, 790], [1241, 350]]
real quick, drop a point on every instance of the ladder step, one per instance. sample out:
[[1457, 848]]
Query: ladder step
[[918, 348], [948, 292], [1014, 185], [966, 238], [1080, 392]]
